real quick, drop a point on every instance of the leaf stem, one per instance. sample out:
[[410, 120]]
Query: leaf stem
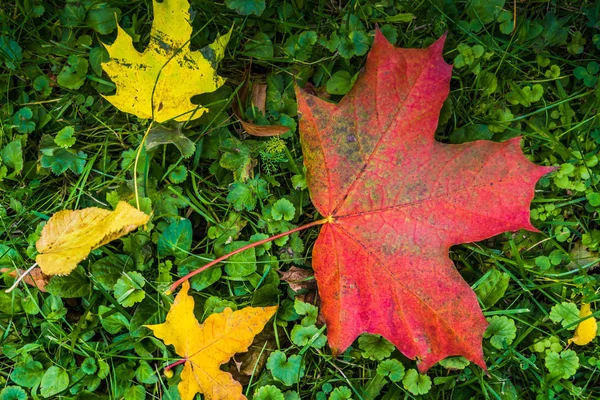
[[241, 249], [135, 164], [176, 363], [20, 278]]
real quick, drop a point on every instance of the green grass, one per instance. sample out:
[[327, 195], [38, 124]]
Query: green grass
[[99, 347]]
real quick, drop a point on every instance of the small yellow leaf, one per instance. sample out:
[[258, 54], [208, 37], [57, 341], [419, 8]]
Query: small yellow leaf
[[69, 236], [586, 330], [167, 74], [206, 346]]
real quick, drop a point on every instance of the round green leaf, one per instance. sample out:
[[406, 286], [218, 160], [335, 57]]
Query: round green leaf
[[501, 330], [564, 364], [283, 208], [260, 46], [302, 335], [287, 370], [268, 392], [55, 380], [246, 7], [391, 368], [241, 264], [89, 366], [76, 284], [176, 240], [339, 83], [13, 393], [341, 393], [565, 313], [28, 375], [416, 383], [375, 347], [205, 278], [64, 138]]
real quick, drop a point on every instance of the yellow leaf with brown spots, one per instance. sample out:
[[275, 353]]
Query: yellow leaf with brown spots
[[205, 347], [160, 82], [69, 236], [586, 330]]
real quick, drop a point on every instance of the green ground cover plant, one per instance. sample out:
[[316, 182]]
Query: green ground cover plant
[[526, 69]]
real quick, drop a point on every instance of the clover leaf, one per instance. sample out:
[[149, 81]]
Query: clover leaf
[[458, 362], [391, 368], [13, 393], [501, 330], [245, 195], [60, 160], [89, 366], [341, 393], [128, 289], [11, 52], [176, 240], [12, 155], [288, 370], [308, 310], [302, 335], [300, 46], [467, 54], [283, 208], [21, 120], [64, 138], [506, 20], [246, 7], [42, 84], [416, 383], [565, 313], [588, 74], [526, 95], [28, 374], [375, 347], [72, 76], [564, 364]]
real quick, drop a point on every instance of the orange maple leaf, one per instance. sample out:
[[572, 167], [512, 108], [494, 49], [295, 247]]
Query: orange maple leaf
[[206, 346]]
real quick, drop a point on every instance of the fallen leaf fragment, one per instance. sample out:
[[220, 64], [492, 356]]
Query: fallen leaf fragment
[[206, 346], [35, 278], [396, 200], [258, 98], [250, 363], [160, 82], [298, 278], [586, 330], [69, 236]]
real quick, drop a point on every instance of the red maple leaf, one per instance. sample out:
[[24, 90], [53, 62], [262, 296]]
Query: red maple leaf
[[397, 200]]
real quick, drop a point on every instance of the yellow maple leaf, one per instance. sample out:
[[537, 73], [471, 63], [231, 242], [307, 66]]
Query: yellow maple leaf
[[586, 330], [167, 74], [69, 236], [206, 346]]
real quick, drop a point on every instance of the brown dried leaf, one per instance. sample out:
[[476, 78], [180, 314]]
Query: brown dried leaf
[[35, 278], [298, 278], [253, 361], [259, 99]]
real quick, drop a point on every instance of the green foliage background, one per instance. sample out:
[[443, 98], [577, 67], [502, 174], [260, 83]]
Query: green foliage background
[[212, 189]]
